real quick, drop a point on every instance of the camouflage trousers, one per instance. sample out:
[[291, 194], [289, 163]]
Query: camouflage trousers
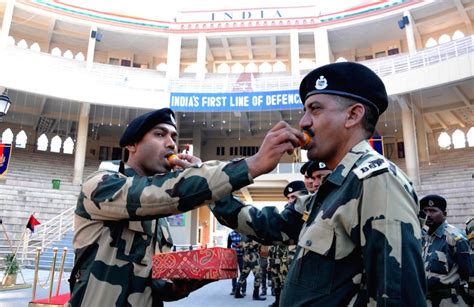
[[279, 266], [251, 264], [277, 278]]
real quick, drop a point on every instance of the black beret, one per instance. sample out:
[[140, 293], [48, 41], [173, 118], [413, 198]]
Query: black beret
[[347, 79], [294, 186], [138, 127], [433, 201], [316, 166], [304, 167]]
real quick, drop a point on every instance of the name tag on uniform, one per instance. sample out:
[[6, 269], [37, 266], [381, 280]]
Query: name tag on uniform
[[305, 216]]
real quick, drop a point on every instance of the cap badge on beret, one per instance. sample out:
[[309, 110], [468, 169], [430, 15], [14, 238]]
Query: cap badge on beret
[[430, 203], [321, 83], [290, 189], [322, 165]]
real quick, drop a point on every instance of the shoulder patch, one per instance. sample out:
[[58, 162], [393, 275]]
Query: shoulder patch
[[455, 233], [112, 166], [370, 166]]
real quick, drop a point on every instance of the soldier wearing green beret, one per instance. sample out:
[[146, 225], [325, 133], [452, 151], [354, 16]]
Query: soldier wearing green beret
[[119, 219], [360, 242]]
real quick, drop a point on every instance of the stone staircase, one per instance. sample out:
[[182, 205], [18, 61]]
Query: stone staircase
[[451, 175], [27, 189]]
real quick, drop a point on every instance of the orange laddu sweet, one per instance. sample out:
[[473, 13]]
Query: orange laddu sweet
[[307, 138], [171, 158]]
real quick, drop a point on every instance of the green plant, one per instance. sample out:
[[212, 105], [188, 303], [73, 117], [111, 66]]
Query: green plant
[[11, 265]]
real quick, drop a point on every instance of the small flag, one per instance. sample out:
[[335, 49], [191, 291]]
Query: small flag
[[32, 222], [5, 154]]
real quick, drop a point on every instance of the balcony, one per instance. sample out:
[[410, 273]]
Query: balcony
[[45, 74]]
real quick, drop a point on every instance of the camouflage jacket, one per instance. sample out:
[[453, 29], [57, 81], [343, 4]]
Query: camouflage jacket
[[118, 227], [359, 245], [250, 247], [446, 257]]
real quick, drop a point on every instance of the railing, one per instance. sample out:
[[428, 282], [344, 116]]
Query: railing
[[119, 85], [382, 66], [47, 234], [405, 62]]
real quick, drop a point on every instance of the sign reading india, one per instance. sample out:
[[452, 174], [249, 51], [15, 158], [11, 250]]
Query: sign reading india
[[237, 101]]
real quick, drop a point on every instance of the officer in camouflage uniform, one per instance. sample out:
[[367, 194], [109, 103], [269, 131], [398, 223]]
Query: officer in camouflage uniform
[[282, 255], [119, 221], [317, 171], [251, 251], [360, 242], [308, 180], [276, 255], [446, 256]]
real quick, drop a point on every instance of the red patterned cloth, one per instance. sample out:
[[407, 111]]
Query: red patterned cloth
[[208, 263]]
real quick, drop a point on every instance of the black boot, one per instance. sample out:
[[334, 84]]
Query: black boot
[[277, 298], [237, 292], [255, 295], [264, 291]]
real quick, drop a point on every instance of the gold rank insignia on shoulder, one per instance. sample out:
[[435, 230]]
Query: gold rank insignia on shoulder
[[305, 216]]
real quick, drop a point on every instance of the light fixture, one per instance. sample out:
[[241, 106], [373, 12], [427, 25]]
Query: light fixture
[[4, 104]]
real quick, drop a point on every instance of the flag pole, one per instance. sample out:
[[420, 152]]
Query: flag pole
[[14, 257], [13, 251], [6, 235]]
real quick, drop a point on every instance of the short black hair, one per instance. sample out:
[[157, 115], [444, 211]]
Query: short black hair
[[369, 121]]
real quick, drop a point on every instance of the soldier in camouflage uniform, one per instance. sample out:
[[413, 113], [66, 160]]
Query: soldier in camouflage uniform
[[251, 251], [308, 180], [276, 258], [446, 256], [360, 242], [285, 254], [119, 221]]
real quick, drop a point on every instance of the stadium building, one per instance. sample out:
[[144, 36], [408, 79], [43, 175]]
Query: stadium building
[[77, 73]]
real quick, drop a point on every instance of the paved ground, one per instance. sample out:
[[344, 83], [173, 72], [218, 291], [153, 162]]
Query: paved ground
[[214, 294]]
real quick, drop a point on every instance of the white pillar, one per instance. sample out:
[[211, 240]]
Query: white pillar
[[321, 47], [81, 143], [197, 139], [410, 34], [295, 53], [409, 140], [201, 56], [174, 56], [421, 139], [91, 48], [7, 22]]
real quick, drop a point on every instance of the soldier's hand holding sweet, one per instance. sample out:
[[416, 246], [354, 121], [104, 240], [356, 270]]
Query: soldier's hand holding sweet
[[182, 160], [281, 139]]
